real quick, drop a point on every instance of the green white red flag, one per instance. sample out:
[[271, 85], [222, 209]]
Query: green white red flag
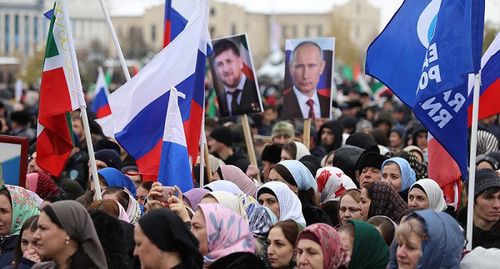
[[60, 93]]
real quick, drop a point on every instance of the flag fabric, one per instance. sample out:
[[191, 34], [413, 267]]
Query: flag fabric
[[175, 169], [424, 55], [60, 93], [247, 61], [139, 106], [177, 13], [100, 105], [490, 82]]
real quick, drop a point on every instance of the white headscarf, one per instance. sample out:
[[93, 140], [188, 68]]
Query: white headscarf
[[301, 150], [434, 193], [289, 203]]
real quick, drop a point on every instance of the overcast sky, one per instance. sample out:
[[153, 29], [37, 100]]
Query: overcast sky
[[388, 7]]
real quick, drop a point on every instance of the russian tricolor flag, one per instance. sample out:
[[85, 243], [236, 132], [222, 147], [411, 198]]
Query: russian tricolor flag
[[177, 13], [140, 106], [174, 165], [100, 105]]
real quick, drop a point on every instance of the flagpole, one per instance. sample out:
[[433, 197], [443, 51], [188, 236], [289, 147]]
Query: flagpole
[[82, 105], [472, 161], [115, 40], [202, 155]]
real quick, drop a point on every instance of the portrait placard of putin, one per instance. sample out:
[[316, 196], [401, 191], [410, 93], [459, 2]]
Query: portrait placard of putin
[[234, 77], [308, 78]]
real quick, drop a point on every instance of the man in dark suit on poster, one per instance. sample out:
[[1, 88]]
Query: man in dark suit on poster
[[240, 95], [303, 101]]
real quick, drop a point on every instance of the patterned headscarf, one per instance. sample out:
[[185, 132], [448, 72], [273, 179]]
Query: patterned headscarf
[[300, 174], [408, 176], [41, 184], [289, 203], [261, 221], [235, 175], [24, 206], [329, 240], [332, 183], [386, 201], [227, 232]]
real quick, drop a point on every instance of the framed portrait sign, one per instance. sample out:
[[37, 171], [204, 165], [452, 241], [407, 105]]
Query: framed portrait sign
[[308, 78], [234, 76], [13, 159]]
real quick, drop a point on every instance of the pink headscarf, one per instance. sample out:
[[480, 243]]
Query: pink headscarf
[[329, 240], [123, 214], [235, 175], [227, 232], [41, 184]]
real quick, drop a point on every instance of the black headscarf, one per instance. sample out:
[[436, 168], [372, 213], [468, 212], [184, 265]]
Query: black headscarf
[[337, 128], [167, 231]]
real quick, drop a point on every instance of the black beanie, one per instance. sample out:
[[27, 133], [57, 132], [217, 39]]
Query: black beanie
[[109, 157], [485, 179], [271, 153], [362, 140], [223, 135], [370, 159]]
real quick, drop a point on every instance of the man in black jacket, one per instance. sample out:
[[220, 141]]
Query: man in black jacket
[[220, 144]]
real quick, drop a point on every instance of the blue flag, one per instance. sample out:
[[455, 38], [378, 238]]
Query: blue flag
[[424, 55]]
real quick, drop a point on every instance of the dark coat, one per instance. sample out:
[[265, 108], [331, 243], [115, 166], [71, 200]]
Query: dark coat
[[238, 159], [291, 107], [7, 246], [249, 102]]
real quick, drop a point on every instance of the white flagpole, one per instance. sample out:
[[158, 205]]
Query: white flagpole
[[472, 160], [83, 106], [202, 155], [115, 40]]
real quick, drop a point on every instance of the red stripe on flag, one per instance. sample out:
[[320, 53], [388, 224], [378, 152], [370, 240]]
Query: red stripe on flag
[[324, 92], [54, 94], [192, 129], [443, 169], [248, 72], [150, 163], [167, 33], [488, 105], [103, 111]]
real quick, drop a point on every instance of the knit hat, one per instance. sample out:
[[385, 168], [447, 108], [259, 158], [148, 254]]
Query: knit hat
[[271, 153], [223, 135], [109, 157], [370, 159], [283, 128], [485, 179], [485, 158]]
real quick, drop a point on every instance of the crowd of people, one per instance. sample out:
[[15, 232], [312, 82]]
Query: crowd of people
[[358, 196]]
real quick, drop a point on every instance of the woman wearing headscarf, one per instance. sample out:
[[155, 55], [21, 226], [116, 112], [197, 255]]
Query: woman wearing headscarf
[[261, 220], [278, 197], [193, 197], [41, 184], [294, 151], [114, 178], [301, 181], [163, 241], [380, 198], [16, 206], [426, 193], [223, 185], [398, 172], [225, 238], [332, 183], [67, 238], [226, 199], [428, 239], [364, 245], [319, 247], [235, 175], [126, 200]]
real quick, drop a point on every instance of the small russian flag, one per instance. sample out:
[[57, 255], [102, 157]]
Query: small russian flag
[[100, 105]]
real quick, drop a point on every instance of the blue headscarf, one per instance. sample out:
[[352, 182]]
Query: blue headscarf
[[115, 178], [408, 176], [300, 174], [444, 239]]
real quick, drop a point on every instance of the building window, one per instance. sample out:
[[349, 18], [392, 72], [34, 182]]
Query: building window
[[16, 31], [284, 33], [26, 34], [7, 33], [212, 11], [320, 30], [233, 28], [308, 31], [35, 31], [294, 31], [212, 30], [153, 33]]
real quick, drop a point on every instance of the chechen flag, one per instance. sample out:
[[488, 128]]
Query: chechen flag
[[60, 93], [174, 164]]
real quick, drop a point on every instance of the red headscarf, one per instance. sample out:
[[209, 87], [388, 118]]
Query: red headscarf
[[42, 184]]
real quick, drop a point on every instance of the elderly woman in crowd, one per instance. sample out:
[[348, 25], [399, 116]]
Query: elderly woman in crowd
[[349, 206], [16, 206]]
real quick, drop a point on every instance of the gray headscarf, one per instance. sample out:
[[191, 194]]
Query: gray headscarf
[[77, 223]]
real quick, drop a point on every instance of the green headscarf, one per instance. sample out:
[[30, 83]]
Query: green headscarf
[[24, 206], [369, 248]]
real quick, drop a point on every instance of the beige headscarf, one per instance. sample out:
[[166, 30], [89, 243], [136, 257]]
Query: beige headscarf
[[77, 223], [230, 201]]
